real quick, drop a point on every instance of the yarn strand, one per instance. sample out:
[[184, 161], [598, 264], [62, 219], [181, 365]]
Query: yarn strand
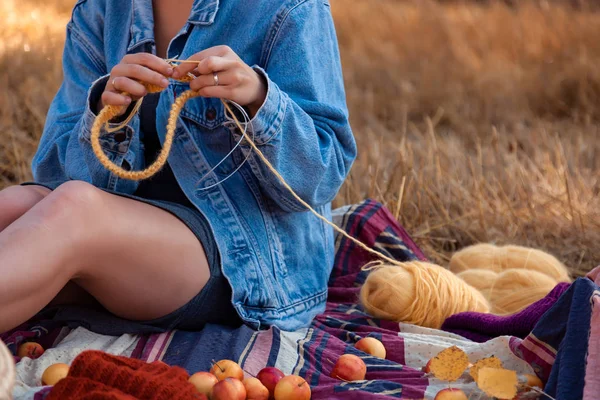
[[136, 109], [300, 200]]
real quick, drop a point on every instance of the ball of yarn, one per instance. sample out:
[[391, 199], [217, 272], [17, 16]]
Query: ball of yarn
[[515, 289], [532, 259], [418, 293], [479, 256], [498, 259], [480, 279], [517, 301]]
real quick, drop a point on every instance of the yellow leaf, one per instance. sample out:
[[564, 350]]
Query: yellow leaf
[[498, 382], [490, 362], [449, 364]]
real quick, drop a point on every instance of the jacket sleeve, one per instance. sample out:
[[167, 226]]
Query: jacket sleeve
[[302, 127], [65, 152]]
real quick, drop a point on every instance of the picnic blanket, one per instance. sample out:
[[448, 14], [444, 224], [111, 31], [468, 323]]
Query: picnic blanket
[[562, 349]]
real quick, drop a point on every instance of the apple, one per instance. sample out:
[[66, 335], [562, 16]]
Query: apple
[[371, 346], [54, 373], [427, 367], [228, 389], [292, 387], [349, 368], [269, 377], [30, 349], [451, 394], [255, 390], [203, 382], [227, 369], [533, 380]]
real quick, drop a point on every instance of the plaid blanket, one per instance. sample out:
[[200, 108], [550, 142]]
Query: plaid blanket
[[562, 349]]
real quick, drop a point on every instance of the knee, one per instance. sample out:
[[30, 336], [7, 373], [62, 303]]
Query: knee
[[78, 194], [74, 203]]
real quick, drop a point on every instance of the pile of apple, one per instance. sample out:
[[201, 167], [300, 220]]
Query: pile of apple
[[225, 381]]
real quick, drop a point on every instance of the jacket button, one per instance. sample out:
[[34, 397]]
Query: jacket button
[[211, 114], [120, 137]]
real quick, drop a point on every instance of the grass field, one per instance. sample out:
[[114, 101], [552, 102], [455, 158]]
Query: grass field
[[475, 123]]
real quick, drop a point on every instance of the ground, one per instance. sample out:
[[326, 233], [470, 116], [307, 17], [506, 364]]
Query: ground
[[476, 121]]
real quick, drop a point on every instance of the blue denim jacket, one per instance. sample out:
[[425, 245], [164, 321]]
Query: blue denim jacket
[[276, 255]]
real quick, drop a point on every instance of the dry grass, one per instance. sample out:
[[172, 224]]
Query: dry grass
[[474, 123]]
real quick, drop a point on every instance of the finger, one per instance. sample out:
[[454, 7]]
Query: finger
[[150, 61], [140, 73], [123, 84], [218, 92], [217, 51], [226, 78], [215, 64], [115, 99]]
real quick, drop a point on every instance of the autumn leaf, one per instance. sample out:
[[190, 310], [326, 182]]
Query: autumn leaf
[[498, 382], [490, 362], [449, 364]]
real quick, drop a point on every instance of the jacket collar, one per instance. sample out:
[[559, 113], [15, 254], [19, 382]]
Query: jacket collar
[[142, 24]]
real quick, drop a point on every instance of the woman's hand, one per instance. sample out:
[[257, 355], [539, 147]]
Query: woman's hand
[[220, 73], [128, 75]]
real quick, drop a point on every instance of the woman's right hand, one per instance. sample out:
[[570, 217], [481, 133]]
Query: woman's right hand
[[126, 76]]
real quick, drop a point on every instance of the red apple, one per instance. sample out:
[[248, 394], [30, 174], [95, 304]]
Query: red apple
[[255, 390], [451, 394], [427, 367], [269, 377], [227, 369], [349, 368], [204, 382], [30, 349], [54, 373], [228, 389], [371, 346], [292, 387]]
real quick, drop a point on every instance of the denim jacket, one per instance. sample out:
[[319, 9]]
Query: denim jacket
[[276, 255]]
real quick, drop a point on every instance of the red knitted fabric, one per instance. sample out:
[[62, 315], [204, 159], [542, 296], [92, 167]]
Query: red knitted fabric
[[95, 375]]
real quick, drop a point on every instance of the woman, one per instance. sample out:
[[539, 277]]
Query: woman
[[183, 248]]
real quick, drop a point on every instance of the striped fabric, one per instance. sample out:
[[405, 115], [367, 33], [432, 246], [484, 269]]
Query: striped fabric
[[563, 349]]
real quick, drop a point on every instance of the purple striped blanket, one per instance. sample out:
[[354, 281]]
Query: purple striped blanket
[[559, 349]]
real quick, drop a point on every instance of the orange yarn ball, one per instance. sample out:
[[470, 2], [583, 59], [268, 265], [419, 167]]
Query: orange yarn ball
[[498, 259], [418, 293], [515, 289], [480, 256], [480, 279]]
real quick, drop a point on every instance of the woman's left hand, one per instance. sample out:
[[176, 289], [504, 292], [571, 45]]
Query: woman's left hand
[[220, 73]]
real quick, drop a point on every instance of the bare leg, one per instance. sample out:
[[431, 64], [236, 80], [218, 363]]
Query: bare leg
[[17, 200], [138, 261]]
